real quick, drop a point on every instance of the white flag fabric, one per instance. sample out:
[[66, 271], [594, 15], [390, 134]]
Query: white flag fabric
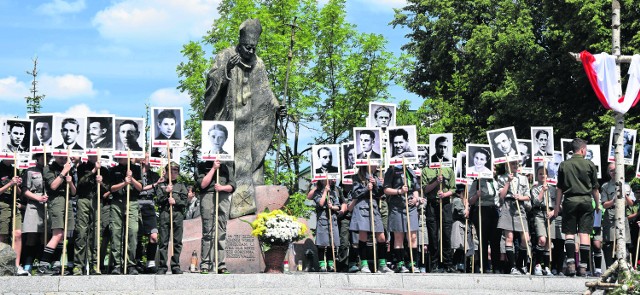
[[601, 71]]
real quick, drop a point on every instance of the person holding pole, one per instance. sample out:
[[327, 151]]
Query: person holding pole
[[56, 176], [148, 224], [366, 185], [513, 189], [483, 200], [33, 224], [10, 216], [439, 185], [402, 189], [86, 213], [577, 187], [171, 193], [608, 198], [544, 199], [216, 186], [329, 202], [123, 180]]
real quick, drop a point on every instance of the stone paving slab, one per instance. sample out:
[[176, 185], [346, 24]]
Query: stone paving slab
[[296, 283]]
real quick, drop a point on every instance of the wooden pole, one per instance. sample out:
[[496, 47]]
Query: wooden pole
[[372, 220], [480, 227], [14, 207], [216, 220], [66, 218], [423, 223], [406, 205], [46, 204], [466, 227], [171, 244], [333, 250], [126, 212], [98, 209], [440, 202]]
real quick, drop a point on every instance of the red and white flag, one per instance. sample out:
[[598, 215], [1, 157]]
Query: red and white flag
[[601, 71]]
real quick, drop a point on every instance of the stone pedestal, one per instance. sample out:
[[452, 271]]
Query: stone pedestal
[[243, 249]]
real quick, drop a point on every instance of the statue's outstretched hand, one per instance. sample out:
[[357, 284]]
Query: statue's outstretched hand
[[232, 62]]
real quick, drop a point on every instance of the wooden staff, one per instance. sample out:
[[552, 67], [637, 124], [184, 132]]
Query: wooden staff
[[466, 225], [46, 204], [406, 205], [98, 209], [480, 227], [170, 254], [126, 212], [372, 220], [333, 252], [14, 208], [636, 257], [526, 235], [439, 201], [66, 218], [215, 255], [422, 221], [546, 196]]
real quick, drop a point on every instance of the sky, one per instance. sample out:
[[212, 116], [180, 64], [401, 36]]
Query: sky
[[111, 57]]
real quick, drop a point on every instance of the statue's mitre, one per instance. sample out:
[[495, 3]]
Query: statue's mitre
[[250, 31]]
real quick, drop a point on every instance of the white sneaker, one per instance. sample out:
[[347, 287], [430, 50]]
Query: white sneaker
[[21, 272], [537, 271], [597, 273], [515, 271], [524, 270], [547, 272]]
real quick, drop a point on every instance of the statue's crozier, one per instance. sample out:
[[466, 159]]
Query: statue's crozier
[[238, 90]]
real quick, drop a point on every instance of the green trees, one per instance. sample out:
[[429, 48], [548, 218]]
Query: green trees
[[494, 63], [336, 71]]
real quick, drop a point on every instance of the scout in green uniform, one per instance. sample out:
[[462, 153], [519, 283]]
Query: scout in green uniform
[[88, 180], [577, 185], [120, 178], [56, 176], [608, 199], [9, 182], [171, 193], [439, 185]]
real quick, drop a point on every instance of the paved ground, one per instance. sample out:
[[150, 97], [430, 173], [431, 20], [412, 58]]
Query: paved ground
[[306, 283]]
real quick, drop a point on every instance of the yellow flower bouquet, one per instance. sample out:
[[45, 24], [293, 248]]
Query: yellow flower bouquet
[[277, 228]]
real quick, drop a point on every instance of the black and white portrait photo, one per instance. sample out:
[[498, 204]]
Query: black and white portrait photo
[[593, 155], [41, 132], [158, 157], [368, 145], [423, 155], [217, 140], [479, 161], [326, 161], [348, 158], [461, 168], [542, 140], [16, 137], [526, 160], [402, 144], [100, 134], [628, 147], [166, 126], [129, 137], [504, 144], [441, 148], [567, 150], [381, 115], [69, 134], [552, 167]]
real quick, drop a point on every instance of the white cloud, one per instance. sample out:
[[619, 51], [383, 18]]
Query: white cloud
[[66, 86], [82, 109], [160, 21], [57, 7], [12, 90], [169, 97]]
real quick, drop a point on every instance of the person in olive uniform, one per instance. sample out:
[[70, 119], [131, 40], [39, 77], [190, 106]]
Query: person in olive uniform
[[57, 178], [171, 193], [328, 197], [439, 185], [33, 224], [121, 178], [576, 189], [86, 217], [9, 182], [214, 177]]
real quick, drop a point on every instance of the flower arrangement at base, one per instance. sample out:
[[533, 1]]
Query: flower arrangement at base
[[277, 228]]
